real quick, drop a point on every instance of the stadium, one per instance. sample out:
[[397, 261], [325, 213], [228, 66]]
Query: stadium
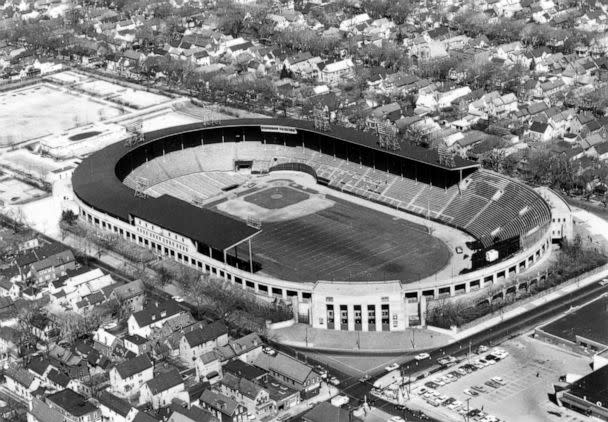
[[357, 237]]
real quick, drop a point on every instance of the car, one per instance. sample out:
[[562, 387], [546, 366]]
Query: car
[[499, 380], [492, 357], [431, 384], [422, 356], [604, 282], [363, 379], [391, 367], [492, 384], [269, 351], [483, 362], [462, 371], [421, 390], [439, 381], [482, 349], [470, 392], [490, 361], [454, 374], [479, 388], [178, 299], [334, 381], [396, 419], [321, 371]]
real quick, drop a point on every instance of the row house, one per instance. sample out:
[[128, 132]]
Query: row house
[[248, 394], [223, 407]]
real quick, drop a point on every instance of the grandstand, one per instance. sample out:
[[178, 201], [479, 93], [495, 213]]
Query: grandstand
[[197, 167], [490, 207]]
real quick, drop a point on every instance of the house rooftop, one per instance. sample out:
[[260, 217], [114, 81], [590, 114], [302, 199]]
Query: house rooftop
[[163, 382], [134, 366], [72, 402]]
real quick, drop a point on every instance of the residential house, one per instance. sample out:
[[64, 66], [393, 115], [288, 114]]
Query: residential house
[[10, 339], [246, 348], [291, 372], [8, 312], [193, 414], [245, 370], [154, 316], [391, 112], [325, 411], [73, 406], [222, 407], [280, 395], [21, 382], [137, 344], [162, 389], [539, 132], [130, 295], [127, 378], [39, 411], [9, 288], [202, 340], [248, 394], [208, 366], [348, 25], [336, 72], [440, 100], [106, 342], [53, 266], [115, 409]]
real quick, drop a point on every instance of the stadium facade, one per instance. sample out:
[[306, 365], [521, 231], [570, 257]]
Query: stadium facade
[[510, 221]]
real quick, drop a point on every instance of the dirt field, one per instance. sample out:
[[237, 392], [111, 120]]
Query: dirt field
[[43, 109]]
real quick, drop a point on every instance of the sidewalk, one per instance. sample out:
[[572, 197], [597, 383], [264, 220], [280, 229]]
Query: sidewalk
[[412, 340]]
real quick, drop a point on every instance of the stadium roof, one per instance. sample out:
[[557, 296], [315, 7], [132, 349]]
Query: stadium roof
[[353, 136], [95, 182]]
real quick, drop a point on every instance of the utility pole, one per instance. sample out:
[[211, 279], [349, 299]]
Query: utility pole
[[467, 417]]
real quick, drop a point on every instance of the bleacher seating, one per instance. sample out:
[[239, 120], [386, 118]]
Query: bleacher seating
[[487, 205]]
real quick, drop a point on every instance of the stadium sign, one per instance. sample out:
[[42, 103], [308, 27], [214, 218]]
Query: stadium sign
[[279, 129]]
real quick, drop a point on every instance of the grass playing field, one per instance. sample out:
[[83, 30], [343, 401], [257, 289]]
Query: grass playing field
[[343, 242]]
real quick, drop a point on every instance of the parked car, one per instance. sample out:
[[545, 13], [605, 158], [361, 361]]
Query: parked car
[[462, 371], [479, 388], [269, 351], [334, 381], [499, 380], [482, 349], [492, 384], [470, 392], [422, 356], [391, 367]]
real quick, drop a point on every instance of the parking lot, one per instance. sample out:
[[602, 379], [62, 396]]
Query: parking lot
[[525, 380]]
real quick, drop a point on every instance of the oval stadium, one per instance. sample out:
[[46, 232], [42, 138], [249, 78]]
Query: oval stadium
[[357, 237]]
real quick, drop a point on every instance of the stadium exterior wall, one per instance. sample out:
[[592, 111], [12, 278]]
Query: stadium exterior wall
[[406, 303]]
